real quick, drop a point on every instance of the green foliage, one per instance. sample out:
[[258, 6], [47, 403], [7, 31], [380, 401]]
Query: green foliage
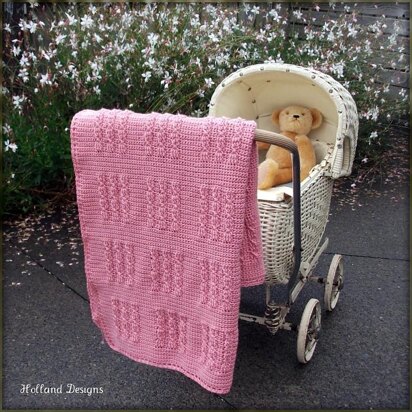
[[164, 58]]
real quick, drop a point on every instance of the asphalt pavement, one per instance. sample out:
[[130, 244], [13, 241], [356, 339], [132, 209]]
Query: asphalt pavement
[[361, 361]]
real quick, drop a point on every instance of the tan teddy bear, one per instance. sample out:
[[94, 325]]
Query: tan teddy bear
[[294, 122]]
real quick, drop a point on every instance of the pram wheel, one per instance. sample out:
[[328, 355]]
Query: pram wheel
[[309, 330], [334, 283]]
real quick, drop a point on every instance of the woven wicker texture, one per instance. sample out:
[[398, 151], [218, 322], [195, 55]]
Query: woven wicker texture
[[277, 227], [170, 225]]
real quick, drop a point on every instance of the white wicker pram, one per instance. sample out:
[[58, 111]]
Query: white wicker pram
[[293, 221]]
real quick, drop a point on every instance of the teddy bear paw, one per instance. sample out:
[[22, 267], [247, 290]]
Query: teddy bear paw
[[267, 173]]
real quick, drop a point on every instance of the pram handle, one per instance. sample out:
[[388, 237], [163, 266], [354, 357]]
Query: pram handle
[[276, 139], [286, 143]]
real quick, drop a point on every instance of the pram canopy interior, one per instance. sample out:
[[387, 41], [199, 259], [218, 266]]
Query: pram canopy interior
[[254, 92]]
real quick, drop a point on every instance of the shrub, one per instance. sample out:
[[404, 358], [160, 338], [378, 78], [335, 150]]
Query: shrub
[[165, 58]]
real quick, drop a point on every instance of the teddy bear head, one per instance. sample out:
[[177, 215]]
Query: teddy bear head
[[297, 119]]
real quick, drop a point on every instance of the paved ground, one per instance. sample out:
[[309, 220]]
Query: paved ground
[[362, 359]]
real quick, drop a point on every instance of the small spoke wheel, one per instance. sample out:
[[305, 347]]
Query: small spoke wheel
[[334, 283], [309, 330]]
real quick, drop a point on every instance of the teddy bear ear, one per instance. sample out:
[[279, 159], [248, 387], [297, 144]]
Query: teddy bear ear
[[317, 118], [275, 116]]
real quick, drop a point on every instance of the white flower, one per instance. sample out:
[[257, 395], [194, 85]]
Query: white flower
[[86, 22], [213, 38], [97, 38], [151, 63], [243, 54], [18, 100], [310, 35], [33, 56], [11, 146], [7, 27], [32, 26], [352, 32], [44, 79], [197, 113], [147, 76], [167, 80], [92, 9], [23, 25], [209, 82], [24, 75], [373, 135], [337, 68], [402, 92], [331, 36], [194, 21], [72, 19], [97, 90], [298, 14], [95, 66], [7, 129], [49, 55], [373, 114], [16, 50], [60, 38], [24, 61], [279, 59], [255, 10], [275, 15], [152, 38]]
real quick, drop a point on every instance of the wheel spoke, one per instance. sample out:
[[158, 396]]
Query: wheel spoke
[[334, 283], [309, 331]]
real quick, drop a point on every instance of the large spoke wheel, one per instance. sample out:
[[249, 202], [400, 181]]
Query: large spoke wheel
[[309, 330], [334, 283]]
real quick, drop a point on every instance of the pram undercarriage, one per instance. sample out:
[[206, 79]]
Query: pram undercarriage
[[309, 327]]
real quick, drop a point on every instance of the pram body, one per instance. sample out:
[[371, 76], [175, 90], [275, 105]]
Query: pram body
[[297, 217]]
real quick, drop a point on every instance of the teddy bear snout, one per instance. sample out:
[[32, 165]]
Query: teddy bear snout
[[296, 116]]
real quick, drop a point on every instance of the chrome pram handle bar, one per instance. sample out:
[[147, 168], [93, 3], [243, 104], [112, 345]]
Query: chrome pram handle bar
[[284, 142]]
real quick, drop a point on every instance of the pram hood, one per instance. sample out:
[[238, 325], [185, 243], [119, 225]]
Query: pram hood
[[253, 93]]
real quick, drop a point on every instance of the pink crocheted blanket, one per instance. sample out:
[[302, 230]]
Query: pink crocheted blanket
[[171, 232]]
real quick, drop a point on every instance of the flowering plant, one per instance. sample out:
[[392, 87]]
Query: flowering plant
[[166, 58]]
